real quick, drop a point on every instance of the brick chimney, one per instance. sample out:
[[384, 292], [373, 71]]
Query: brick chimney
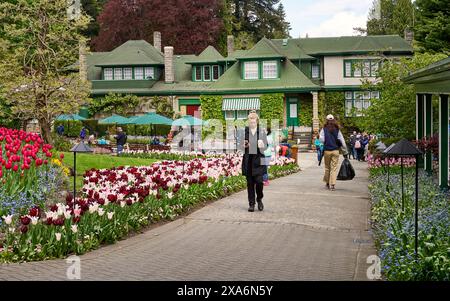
[[157, 40], [169, 69], [230, 45]]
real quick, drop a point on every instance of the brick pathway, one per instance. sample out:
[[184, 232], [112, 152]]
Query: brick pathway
[[304, 233]]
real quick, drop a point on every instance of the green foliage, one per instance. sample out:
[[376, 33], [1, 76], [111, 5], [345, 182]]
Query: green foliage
[[272, 107], [432, 28], [211, 107], [394, 113], [162, 106], [72, 128], [37, 43], [60, 143], [387, 17], [306, 112], [114, 103]]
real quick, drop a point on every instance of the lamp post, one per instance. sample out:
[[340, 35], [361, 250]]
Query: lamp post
[[79, 148], [404, 148]]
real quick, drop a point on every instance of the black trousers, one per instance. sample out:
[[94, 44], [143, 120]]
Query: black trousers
[[254, 188]]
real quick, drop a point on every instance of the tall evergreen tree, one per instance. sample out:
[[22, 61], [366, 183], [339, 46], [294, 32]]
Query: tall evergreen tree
[[432, 28]]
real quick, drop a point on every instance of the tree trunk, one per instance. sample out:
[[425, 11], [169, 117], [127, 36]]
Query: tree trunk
[[46, 131]]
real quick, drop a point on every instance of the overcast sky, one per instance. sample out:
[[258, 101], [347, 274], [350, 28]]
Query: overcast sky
[[326, 18]]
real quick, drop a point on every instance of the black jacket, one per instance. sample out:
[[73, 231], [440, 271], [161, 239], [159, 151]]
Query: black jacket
[[121, 138], [254, 155]]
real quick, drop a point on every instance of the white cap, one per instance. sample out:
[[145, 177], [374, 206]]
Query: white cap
[[330, 117]]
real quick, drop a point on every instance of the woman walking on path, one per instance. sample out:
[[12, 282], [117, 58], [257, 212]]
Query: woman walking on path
[[255, 143], [319, 148], [332, 139]]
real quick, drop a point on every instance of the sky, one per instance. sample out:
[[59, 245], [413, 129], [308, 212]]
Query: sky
[[326, 18]]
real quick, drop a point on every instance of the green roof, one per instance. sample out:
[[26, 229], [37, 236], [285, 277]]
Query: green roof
[[354, 44], [132, 53], [435, 78], [263, 49], [209, 55], [291, 49], [291, 79]]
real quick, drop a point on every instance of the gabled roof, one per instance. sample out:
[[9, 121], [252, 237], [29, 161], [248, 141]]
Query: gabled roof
[[291, 49], [354, 44], [435, 78], [291, 78], [132, 53], [263, 49], [209, 55]]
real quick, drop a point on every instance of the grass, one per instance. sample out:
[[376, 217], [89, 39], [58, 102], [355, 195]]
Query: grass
[[88, 161]]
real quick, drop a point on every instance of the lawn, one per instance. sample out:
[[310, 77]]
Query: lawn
[[88, 161]]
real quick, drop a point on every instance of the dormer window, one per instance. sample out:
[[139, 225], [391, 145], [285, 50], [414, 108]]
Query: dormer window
[[138, 73], [149, 72], [251, 70], [129, 73], [261, 70], [206, 73], [270, 69], [118, 73], [108, 73]]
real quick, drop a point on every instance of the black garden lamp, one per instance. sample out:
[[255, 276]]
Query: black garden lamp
[[79, 148], [402, 149], [386, 156]]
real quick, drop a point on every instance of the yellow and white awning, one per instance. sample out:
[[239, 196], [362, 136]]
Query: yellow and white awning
[[240, 104]]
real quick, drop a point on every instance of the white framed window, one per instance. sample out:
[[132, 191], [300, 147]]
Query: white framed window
[[118, 74], [198, 73], [251, 70], [242, 114], [149, 72], [229, 115], [366, 68], [127, 73], [215, 72], [349, 95], [357, 72], [348, 69], [374, 68], [348, 107], [270, 69], [375, 95], [315, 71], [108, 73], [138, 73], [206, 73]]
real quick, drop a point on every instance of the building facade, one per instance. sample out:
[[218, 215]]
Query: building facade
[[299, 69]]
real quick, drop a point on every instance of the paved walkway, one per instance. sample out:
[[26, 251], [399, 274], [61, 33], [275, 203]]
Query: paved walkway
[[304, 233]]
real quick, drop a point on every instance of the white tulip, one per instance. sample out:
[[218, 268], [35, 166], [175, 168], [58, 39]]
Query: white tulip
[[100, 212], [8, 219], [58, 236], [110, 215], [74, 228], [34, 220]]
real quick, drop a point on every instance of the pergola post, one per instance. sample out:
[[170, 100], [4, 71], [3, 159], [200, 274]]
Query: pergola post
[[428, 118], [420, 124], [443, 141]]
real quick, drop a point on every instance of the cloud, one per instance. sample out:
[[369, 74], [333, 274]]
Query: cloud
[[326, 17]]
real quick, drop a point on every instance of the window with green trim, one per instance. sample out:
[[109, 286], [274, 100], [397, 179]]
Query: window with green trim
[[216, 72], [315, 70], [138, 73], [358, 101], [206, 73], [198, 73], [270, 69], [149, 72], [108, 74], [118, 73], [128, 73], [361, 68], [251, 70]]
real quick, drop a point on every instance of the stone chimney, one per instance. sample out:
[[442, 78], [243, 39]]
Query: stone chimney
[[82, 65], [230, 45], [409, 35], [169, 69], [157, 40]]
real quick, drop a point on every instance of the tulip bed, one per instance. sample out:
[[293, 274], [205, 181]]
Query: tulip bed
[[119, 201], [393, 229], [28, 174], [166, 155]]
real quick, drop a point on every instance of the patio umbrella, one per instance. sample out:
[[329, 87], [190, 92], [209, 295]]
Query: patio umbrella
[[70, 117], [114, 119], [150, 119], [188, 120]]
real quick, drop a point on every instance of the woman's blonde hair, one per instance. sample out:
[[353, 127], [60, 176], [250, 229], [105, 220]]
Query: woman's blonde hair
[[253, 115]]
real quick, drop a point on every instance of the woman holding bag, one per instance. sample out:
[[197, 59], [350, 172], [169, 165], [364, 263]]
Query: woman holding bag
[[332, 139]]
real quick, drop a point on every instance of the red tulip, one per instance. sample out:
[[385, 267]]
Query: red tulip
[[23, 229], [15, 168], [25, 220], [34, 211], [61, 156]]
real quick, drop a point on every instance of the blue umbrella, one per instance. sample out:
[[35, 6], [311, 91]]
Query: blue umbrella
[[189, 121]]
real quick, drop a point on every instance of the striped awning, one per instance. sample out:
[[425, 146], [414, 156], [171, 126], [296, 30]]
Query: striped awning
[[236, 104]]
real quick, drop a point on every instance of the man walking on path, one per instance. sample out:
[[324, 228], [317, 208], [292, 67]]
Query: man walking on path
[[332, 139], [121, 139], [352, 145], [255, 143]]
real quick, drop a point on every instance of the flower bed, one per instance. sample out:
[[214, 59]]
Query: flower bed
[[166, 154], [27, 176], [121, 200], [394, 229]]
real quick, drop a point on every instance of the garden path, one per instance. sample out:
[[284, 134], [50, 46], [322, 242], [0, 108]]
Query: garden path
[[304, 233]]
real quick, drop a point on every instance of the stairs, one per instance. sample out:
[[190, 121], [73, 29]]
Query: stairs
[[303, 137]]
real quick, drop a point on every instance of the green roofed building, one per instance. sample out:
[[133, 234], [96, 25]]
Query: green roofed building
[[299, 69]]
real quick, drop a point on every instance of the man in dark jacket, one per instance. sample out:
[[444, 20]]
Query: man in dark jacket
[[121, 139], [254, 143]]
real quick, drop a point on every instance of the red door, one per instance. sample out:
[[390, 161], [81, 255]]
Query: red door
[[192, 110]]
